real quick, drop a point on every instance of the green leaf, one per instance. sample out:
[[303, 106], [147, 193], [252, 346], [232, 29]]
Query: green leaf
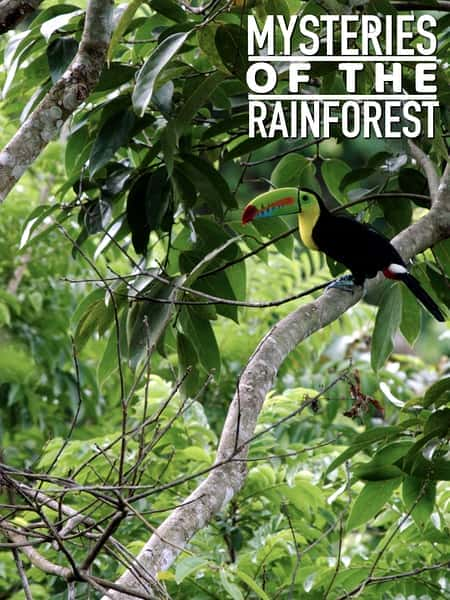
[[229, 586], [219, 285], [411, 316], [201, 266], [188, 566], [386, 324], [333, 171], [122, 25], [271, 228], [210, 184], [422, 495], [114, 76], [207, 43], [5, 315], [370, 501], [289, 170], [114, 133], [201, 334], [95, 315], [197, 99], [364, 440], [438, 393], [60, 53], [278, 7], [441, 252], [92, 298], [77, 150], [377, 472], [251, 583], [109, 362], [36, 218], [247, 146], [231, 44], [187, 361], [146, 78], [397, 212], [412, 181], [438, 423], [58, 22], [96, 215], [391, 453], [354, 176], [148, 319], [170, 9], [147, 203]]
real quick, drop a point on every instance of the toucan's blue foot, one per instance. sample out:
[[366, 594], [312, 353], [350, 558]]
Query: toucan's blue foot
[[345, 283]]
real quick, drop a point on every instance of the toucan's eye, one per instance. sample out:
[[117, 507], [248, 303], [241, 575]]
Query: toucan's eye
[[305, 198]]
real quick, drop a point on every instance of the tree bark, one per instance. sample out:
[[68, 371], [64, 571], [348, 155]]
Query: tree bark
[[46, 121], [226, 480], [12, 12]]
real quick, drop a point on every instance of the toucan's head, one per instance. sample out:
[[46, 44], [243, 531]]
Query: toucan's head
[[279, 202]]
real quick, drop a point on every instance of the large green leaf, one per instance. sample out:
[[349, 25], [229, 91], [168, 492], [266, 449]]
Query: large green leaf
[[210, 184], [114, 133], [364, 440], [411, 316], [170, 9], [386, 324], [147, 203], [271, 228], [370, 501], [196, 100], [333, 171], [438, 393], [115, 350], [60, 53], [441, 252], [288, 172], [148, 318], [188, 566], [122, 25], [187, 365], [231, 44], [207, 43], [145, 82], [419, 497], [202, 336]]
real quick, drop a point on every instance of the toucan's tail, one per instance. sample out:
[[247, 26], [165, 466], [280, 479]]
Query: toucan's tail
[[421, 295]]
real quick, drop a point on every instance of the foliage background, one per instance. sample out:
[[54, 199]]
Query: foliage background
[[148, 178]]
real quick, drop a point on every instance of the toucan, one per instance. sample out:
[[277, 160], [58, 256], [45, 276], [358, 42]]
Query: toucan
[[362, 249]]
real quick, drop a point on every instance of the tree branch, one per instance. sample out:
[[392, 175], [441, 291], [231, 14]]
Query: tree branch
[[46, 121], [226, 480], [12, 12], [36, 559], [428, 168]]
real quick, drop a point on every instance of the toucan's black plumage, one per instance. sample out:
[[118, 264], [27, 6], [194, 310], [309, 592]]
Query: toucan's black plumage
[[363, 250]]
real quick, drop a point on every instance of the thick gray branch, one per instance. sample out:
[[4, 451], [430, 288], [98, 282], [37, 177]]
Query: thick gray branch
[[45, 123], [257, 379], [428, 168], [12, 12]]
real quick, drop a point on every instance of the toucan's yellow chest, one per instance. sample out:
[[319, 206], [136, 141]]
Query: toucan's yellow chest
[[306, 222]]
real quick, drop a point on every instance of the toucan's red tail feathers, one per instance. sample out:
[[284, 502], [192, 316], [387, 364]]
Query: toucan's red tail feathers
[[421, 295]]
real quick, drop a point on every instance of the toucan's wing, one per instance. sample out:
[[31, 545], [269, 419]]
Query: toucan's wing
[[360, 248]]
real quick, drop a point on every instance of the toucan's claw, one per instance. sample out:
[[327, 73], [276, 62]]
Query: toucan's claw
[[345, 283]]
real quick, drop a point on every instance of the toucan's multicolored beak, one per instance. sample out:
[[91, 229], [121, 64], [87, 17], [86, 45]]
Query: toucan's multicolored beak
[[276, 203]]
